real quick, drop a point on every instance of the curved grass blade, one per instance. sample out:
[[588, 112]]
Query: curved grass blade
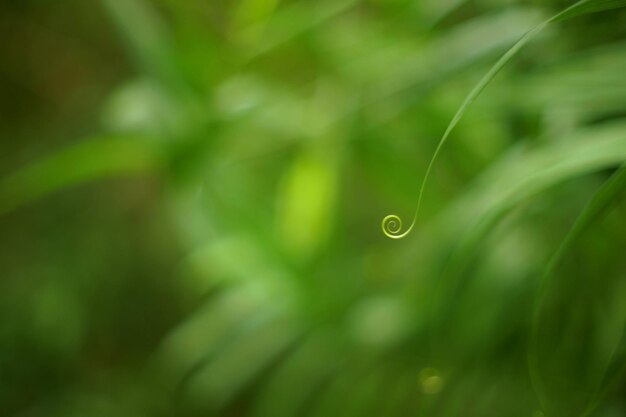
[[467, 222], [508, 183], [217, 382], [586, 7], [392, 224], [598, 205], [94, 159]]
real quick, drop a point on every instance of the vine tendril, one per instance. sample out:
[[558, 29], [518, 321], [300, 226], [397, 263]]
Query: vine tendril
[[392, 227], [392, 224]]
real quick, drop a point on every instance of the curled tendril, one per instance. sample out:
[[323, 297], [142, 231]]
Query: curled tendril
[[392, 227]]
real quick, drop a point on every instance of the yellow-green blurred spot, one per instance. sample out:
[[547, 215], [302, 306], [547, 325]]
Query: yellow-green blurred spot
[[431, 381], [306, 202]]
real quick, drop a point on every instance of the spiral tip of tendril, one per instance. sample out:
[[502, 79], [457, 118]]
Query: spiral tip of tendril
[[392, 227]]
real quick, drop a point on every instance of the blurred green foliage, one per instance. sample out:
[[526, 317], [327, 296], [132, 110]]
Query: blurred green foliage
[[191, 194]]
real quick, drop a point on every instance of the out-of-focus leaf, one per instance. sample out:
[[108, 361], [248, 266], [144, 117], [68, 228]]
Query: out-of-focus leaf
[[215, 383], [465, 224], [588, 6], [386, 68], [309, 368], [557, 351], [508, 181], [147, 40], [199, 338], [295, 19], [600, 202], [253, 12], [576, 89], [89, 160]]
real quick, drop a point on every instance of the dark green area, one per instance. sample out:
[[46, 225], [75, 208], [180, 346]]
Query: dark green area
[[191, 194]]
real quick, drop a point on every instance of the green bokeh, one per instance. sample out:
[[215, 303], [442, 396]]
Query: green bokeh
[[191, 195]]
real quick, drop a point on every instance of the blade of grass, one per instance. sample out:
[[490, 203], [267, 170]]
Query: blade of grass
[[586, 7], [87, 161], [451, 241], [510, 184], [598, 205]]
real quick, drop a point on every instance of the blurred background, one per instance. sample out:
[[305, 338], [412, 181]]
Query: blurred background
[[191, 194]]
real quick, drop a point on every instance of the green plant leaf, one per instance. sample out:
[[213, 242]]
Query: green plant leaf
[[508, 183], [550, 349], [89, 160], [147, 40], [588, 6], [466, 223]]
